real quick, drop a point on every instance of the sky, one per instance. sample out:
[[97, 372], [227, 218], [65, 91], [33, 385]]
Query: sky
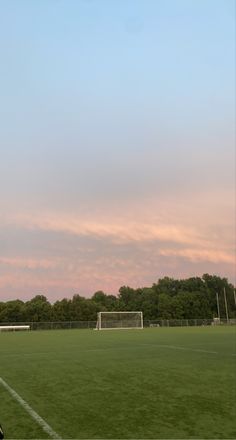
[[117, 144]]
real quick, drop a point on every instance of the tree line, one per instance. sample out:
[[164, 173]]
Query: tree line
[[192, 298]]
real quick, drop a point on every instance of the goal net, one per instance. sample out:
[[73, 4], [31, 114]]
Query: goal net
[[119, 320]]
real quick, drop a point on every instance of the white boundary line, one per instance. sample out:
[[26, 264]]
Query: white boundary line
[[44, 425], [173, 347], [197, 350]]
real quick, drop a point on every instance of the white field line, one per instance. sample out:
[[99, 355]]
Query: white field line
[[172, 347], [44, 425], [177, 347], [197, 350]]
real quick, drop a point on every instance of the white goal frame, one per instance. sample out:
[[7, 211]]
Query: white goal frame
[[100, 326]]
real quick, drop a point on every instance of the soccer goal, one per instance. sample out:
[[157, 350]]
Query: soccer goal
[[119, 320]]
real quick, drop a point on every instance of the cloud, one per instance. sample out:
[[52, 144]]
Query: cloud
[[196, 255], [123, 231], [61, 253], [28, 263]]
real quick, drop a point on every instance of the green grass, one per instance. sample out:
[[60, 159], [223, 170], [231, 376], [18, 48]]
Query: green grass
[[154, 383]]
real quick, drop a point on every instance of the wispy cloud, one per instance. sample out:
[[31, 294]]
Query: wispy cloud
[[28, 263], [125, 230], [66, 254], [196, 255]]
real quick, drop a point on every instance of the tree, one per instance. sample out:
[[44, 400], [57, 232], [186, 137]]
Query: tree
[[105, 302], [127, 298], [215, 284], [148, 303], [167, 285], [12, 311], [61, 310], [38, 309], [83, 309], [164, 306], [191, 298]]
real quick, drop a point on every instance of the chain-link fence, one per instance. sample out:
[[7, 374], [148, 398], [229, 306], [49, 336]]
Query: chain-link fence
[[64, 325], [187, 322]]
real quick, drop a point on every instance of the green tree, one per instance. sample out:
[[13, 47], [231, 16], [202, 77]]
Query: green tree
[[61, 310], [105, 302], [127, 298], [164, 306], [12, 311], [83, 309], [215, 284], [38, 309]]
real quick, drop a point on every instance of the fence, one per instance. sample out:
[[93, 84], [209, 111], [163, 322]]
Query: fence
[[63, 325], [187, 322]]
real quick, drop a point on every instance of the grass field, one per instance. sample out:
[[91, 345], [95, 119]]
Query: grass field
[[163, 383]]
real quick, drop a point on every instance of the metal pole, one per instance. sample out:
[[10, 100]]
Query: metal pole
[[99, 320], [235, 297], [218, 306], [226, 306]]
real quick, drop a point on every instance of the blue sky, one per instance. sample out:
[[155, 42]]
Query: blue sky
[[117, 143]]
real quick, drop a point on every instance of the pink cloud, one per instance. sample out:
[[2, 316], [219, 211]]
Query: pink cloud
[[122, 246], [28, 263], [196, 255]]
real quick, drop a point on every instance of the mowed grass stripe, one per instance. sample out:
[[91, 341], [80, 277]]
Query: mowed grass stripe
[[41, 422]]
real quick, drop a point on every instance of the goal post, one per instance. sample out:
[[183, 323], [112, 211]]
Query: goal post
[[119, 320]]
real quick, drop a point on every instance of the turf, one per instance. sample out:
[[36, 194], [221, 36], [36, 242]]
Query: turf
[[162, 383]]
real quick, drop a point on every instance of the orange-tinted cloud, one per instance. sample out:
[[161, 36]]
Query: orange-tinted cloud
[[81, 252], [214, 256], [28, 263]]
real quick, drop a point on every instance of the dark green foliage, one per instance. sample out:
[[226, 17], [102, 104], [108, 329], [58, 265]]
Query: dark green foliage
[[38, 309], [192, 298], [12, 311]]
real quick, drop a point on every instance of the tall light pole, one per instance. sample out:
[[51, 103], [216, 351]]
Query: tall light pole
[[226, 306], [218, 306]]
